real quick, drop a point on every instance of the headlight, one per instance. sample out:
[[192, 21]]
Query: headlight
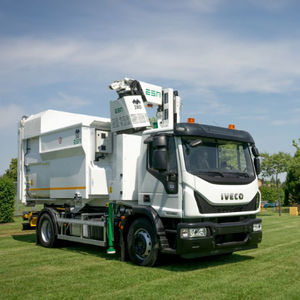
[[257, 227], [197, 232], [184, 233], [193, 232]]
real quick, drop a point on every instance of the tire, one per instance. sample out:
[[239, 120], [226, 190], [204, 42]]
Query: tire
[[142, 242], [46, 231]]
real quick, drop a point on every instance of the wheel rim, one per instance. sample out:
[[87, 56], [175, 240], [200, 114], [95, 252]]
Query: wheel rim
[[46, 231], [142, 243]]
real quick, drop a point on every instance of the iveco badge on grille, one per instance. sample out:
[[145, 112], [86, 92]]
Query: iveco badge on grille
[[232, 196]]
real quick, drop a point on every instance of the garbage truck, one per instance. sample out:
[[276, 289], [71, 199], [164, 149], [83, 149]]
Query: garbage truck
[[140, 186]]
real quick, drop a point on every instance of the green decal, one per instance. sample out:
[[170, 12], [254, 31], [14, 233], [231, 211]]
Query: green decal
[[77, 141], [118, 110], [153, 93]]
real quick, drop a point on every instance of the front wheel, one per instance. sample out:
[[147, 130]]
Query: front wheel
[[46, 232], [143, 245]]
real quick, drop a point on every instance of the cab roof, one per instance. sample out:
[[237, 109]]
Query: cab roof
[[193, 129]]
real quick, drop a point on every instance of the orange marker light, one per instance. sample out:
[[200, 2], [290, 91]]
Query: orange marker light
[[191, 120], [231, 126], [150, 105]]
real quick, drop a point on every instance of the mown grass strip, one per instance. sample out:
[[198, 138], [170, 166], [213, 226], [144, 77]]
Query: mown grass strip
[[271, 271]]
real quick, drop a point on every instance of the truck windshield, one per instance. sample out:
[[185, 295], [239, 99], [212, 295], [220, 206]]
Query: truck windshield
[[218, 161]]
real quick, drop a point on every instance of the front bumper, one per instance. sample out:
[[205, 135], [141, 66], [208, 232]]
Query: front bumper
[[221, 238]]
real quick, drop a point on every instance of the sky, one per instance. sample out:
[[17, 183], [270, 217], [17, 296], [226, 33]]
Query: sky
[[231, 61]]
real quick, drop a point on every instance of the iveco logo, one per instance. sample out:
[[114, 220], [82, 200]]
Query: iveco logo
[[232, 196]]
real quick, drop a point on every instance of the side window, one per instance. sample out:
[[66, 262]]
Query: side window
[[242, 159]]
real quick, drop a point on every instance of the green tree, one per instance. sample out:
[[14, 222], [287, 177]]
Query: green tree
[[269, 193], [12, 171], [273, 165], [293, 175], [7, 199], [297, 145]]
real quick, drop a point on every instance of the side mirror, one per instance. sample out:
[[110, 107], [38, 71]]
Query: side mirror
[[160, 141], [255, 151], [257, 165], [160, 159]]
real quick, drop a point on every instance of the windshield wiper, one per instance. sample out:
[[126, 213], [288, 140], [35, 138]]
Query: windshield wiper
[[209, 173], [243, 174], [216, 173]]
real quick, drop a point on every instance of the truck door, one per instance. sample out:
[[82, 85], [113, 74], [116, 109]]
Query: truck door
[[158, 179]]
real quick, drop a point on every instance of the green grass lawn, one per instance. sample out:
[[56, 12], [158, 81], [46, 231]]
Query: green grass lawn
[[270, 272]]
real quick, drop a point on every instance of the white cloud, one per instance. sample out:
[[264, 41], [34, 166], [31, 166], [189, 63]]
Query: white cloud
[[272, 5], [9, 116], [203, 6], [296, 111], [203, 102], [65, 101], [254, 117], [202, 57], [159, 7], [206, 61], [32, 53], [288, 121]]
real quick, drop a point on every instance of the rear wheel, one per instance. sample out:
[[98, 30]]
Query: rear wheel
[[143, 245], [46, 232]]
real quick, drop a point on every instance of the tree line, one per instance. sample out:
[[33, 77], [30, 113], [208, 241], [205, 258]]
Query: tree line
[[272, 166], [8, 192]]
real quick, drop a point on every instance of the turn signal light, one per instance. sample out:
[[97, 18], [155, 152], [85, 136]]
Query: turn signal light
[[191, 120], [231, 126]]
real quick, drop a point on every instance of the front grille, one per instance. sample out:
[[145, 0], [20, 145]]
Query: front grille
[[232, 237], [206, 208]]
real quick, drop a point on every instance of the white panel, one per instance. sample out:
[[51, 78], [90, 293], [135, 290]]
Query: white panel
[[59, 140], [55, 164], [99, 179], [36, 170], [128, 112], [124, 183], [153, 93], [32, 128], [51, 120], [131, 152], [103, 141], [68, 177]]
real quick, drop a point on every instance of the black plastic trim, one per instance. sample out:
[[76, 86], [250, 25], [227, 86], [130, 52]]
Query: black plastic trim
[[192, 129], [206, 208], [151, 214], [156, 221], [226, 180], [210, 245]]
